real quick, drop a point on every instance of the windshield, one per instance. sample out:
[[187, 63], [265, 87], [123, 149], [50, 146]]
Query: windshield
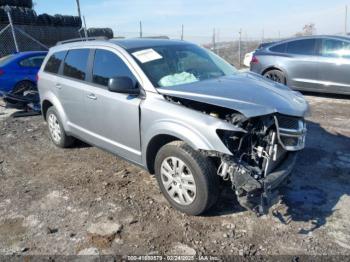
[[5, 59], [180, 64]]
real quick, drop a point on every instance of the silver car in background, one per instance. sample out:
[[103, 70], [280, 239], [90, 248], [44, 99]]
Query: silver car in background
[[180, 112], [313, 63]]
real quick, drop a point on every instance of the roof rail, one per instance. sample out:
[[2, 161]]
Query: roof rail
[[83, 39]]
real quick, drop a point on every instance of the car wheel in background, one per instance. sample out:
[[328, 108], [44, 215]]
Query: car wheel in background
[[276, 75], [56, 131], [187, 179], [21, 87]]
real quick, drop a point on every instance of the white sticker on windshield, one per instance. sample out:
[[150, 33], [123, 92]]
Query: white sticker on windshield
[[147, 55]]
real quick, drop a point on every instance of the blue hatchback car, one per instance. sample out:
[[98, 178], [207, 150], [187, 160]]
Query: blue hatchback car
[[18, 71]]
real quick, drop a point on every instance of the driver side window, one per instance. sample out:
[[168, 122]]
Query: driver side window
[[108, 65]]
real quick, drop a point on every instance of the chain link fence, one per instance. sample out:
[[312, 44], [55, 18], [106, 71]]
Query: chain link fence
[[22, 32], [48, 30]]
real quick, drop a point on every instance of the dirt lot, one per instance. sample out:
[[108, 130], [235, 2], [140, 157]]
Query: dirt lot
[[53, 201]]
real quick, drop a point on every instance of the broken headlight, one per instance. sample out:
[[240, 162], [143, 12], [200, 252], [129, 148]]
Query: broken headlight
[[231, 139]]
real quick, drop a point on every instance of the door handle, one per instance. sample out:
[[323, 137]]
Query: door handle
[[58, 86], [92, 96]]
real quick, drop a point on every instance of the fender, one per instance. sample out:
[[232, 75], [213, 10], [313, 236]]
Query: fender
[[59, 108], [188, 134]]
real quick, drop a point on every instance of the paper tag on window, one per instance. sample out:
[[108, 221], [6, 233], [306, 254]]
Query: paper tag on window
[[147, 55]]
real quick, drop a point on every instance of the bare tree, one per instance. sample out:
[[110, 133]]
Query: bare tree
[[308, 29]]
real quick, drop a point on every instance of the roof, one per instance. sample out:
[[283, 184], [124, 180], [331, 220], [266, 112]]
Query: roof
[[340, 37], [145, 42], [28, 53], [126, 44]]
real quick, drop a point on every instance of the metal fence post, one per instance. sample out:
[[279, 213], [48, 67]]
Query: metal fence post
[[85, 28], [239, 48], [8, 11]]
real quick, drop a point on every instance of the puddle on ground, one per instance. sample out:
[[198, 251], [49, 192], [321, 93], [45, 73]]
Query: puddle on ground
[[305, 196]]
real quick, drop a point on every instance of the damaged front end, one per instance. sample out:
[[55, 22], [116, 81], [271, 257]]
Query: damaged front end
[[263, 151], [262, 157]]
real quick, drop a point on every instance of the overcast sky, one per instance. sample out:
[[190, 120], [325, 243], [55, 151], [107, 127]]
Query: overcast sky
[[201, 16]]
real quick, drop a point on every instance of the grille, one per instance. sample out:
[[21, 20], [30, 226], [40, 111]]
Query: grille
[[292, 132], [288, 122], [290, 141]]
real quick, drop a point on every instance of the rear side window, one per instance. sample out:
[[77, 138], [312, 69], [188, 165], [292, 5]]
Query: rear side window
[[54, 62], [108, 65], [34, 61], [302, 47], [75, 64], [335, 48], [279, 48]]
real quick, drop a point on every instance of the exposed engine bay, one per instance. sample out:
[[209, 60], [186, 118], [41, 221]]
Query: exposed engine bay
[[262, 152]]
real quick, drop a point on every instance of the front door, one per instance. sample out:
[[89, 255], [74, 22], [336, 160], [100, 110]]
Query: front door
[[114, 122], [334, 66]]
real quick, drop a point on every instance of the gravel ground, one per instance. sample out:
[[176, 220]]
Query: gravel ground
[[85, 201]]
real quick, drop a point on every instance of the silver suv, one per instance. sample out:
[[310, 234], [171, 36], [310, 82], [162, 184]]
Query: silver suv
[[180, 112]]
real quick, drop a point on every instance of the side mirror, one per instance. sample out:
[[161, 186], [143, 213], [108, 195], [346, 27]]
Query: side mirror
[[122, 85]]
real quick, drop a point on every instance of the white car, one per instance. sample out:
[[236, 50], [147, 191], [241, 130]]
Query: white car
[[248, 58]]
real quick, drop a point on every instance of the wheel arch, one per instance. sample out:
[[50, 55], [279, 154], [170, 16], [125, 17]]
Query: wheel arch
[[274, 67], [23, 81], [49, 101], [154, 145], [46, 104]]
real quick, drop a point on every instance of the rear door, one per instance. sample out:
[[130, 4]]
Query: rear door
[[71, 85], [301, 64], [334, 66], [49, 78], [114, 122]]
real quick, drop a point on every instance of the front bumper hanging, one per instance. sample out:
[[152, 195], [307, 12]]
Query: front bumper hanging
[[260, 195]]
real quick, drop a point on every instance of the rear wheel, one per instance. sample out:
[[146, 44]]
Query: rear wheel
[[56, 131], [186, 178], [276, 75], [23, 86]]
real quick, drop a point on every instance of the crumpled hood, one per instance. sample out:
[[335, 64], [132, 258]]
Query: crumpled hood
[[249, 93]]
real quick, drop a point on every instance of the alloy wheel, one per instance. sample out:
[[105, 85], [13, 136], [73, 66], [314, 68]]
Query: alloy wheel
[[274, 77], [55, 128], [178, 181]]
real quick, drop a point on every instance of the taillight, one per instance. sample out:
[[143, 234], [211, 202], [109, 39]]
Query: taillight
[[2, 72], [255, 60]]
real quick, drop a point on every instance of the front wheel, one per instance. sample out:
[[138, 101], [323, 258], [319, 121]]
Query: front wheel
[[276, 75], [186, 178]]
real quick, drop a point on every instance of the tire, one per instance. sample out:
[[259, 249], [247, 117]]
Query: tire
[[199, 172], [57, 134], [23, 86], [276, 75], [100, 32]]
